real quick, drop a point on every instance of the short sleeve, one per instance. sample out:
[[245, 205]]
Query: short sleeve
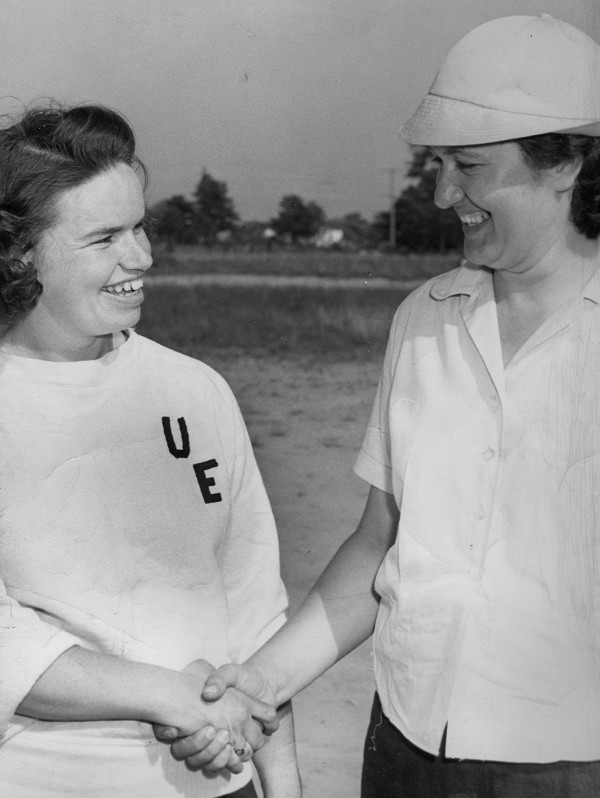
[[374, 461]]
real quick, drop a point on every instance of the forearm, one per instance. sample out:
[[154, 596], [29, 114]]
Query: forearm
[[276, 761], [337, 615], [84, 685]]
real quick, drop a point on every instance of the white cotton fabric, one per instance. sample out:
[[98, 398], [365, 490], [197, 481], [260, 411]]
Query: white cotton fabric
[[107, 542], [490, 597]]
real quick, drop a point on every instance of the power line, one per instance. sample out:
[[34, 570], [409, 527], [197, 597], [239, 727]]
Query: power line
[[392, 196]]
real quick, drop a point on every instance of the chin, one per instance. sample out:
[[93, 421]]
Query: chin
[[127, 320], [117, 327], [475, 256]]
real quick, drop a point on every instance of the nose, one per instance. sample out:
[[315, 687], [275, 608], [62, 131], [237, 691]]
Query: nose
[[136, 254], [447, 191]]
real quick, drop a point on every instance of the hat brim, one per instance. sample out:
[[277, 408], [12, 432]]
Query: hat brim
[[446, 122]]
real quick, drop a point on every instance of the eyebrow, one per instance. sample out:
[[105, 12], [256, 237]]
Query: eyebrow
[[470, 150], [471, 154], [454, 150], [100, 232], [103, 231]]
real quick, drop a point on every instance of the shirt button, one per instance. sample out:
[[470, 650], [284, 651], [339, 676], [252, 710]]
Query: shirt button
[[489, 454]]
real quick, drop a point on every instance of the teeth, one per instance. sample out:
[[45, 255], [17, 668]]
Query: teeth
[[471, 219], [126, 287]]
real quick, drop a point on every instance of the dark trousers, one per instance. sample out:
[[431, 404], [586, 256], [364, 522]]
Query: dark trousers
[[395, 768], [247, 791]]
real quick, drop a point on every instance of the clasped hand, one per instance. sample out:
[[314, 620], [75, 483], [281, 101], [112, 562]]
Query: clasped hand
[[226, 725]]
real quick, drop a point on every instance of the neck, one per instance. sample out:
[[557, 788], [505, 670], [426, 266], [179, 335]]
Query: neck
[[554, 281], [15, 342]]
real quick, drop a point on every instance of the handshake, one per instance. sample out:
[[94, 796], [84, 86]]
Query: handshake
[[225, 719]]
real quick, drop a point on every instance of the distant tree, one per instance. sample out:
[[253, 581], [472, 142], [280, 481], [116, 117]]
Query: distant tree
[[174, 221], [420, 225], [297, 218], [249, 233], [356, 229], [215, 211]]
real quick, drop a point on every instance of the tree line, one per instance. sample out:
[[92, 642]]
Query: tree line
[[210, 216]]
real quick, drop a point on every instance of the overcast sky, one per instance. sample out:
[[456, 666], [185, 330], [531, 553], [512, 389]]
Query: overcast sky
[[272, 96]]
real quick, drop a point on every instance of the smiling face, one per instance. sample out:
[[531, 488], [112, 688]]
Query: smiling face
[[511, 216], [91, 264]]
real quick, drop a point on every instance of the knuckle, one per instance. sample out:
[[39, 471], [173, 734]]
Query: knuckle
[[177, 754], [193, 763], [182, 749], [220, 761]]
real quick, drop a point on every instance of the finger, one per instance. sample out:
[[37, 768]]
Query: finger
[[206, 743], [199, 667], [243, 750], [264, 714], [270, 729], [165, 734], [225, 759], [219, 681], [253, 735]]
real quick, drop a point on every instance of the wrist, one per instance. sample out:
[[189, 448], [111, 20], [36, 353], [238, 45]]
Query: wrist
[[176, 701], [171, 699], [272, 676]]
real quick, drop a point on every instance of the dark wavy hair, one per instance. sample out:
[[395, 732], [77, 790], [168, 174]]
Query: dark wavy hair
[[47, 151], [552, 149]]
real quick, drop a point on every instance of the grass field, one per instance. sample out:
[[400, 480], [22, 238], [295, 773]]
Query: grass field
[[195, 259], [331, 323]]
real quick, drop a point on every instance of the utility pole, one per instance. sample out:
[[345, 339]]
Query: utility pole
[[392, 174]]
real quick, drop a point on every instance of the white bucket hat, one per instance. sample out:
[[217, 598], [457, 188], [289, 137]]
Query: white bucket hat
[[510, 78]]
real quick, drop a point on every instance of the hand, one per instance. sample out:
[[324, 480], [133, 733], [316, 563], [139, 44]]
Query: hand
[[208, 749], [212, 749], [238, 713], [247, 678], [231, 722]]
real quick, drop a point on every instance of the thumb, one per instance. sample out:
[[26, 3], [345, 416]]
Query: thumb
[[216, 684], [265, 714], [199, 667], [165, 734]]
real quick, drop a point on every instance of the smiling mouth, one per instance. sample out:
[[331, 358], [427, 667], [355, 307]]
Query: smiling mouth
[[126, 288], [473, 219]]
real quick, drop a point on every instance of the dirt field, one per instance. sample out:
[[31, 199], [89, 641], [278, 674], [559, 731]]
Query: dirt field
[[306, 420]]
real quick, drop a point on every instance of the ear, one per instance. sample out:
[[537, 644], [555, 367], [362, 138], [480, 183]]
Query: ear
[[565, 174]]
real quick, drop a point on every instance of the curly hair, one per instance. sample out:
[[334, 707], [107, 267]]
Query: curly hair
[[552, 149], [47, 151]]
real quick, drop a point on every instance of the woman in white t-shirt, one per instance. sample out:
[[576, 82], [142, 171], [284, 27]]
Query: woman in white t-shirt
[[137, 544]]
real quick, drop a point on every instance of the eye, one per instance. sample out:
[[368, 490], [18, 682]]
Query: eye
[[144, 224], [106, 240], [466, 167]]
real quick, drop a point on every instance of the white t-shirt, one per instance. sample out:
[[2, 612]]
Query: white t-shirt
[[490, 597], [133, 521]]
